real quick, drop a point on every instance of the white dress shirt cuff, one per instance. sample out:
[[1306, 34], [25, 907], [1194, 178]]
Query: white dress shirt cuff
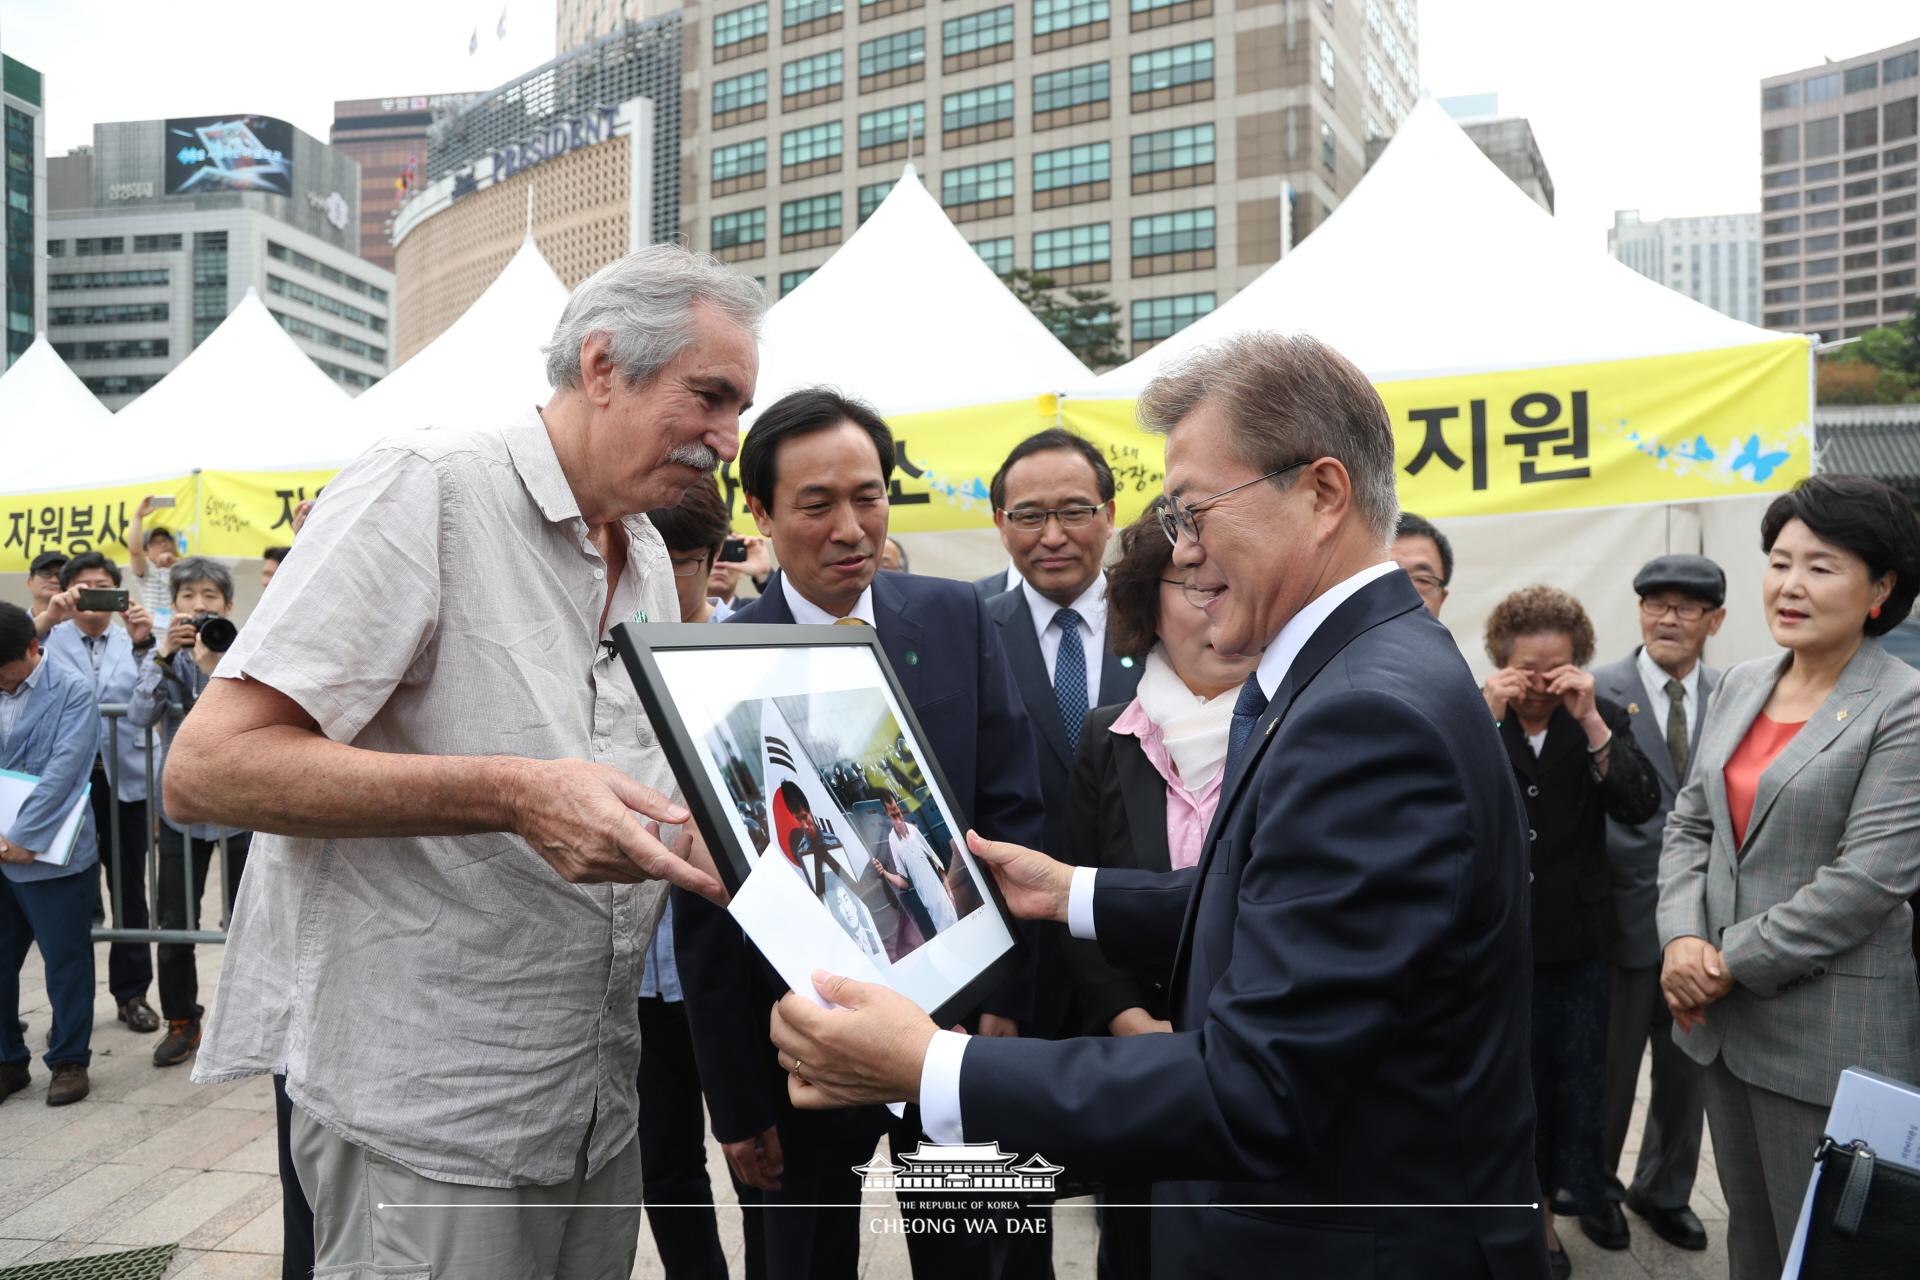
[[1080, 903], [940, 1086]]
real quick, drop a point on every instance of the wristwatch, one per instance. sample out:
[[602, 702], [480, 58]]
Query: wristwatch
[[144, 645]]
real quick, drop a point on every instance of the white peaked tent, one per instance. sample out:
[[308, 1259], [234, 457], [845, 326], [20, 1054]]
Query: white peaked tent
[[487, 360], [45, 411], [906, 316], [1438, 265], [247, 398]]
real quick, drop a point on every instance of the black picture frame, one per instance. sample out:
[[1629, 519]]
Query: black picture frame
[[638, 643]]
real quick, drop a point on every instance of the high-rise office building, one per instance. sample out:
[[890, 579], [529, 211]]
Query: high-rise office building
[[578, 22], [579, 153], [23, 151], [1163, 151], [1715, 260], [388, 136], [172, 221], [1837, 217]]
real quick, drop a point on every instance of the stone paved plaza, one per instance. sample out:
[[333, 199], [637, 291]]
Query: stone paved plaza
[[150, 1158]]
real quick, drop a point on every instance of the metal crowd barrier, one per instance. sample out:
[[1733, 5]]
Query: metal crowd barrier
[[114, 713]]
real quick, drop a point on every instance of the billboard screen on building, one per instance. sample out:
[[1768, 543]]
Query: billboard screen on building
[[229, 153]]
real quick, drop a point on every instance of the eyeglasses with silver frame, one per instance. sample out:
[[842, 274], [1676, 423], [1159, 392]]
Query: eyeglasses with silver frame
[[1034, 519], [1179, 516]]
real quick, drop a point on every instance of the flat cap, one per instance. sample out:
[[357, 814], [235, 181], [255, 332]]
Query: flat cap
[[47, 561], [1697, 576]]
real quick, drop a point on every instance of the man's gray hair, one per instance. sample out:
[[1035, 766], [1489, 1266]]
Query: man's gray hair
[[199, 569], [645, 303], [1290, 398]]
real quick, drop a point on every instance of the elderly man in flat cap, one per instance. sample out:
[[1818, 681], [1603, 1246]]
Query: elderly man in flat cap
[[1666, 689]]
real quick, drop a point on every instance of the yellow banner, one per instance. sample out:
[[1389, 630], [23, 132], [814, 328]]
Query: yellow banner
[[1685, 428], [77, 520], [242, 513]]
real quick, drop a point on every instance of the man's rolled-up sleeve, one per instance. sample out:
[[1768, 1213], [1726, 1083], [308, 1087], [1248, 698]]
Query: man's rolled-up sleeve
[[354, 605]]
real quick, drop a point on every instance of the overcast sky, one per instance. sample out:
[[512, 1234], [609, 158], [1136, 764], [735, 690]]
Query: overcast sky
[[1648, 104]]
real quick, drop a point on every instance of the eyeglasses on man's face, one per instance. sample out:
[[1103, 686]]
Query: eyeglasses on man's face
[[688, 566], [1180, 517], [1034, 519], [1425, 583], [1685, 610]]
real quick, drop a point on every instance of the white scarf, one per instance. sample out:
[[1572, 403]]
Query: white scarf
[[1193, 730]]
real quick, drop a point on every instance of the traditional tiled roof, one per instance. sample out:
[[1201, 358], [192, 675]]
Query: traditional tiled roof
[[1882, 441]]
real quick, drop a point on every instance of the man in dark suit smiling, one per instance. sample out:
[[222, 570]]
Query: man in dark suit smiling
[[1345, 1090], [815, 470]]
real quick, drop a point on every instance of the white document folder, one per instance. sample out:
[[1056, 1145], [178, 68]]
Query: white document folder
[[15, 788]]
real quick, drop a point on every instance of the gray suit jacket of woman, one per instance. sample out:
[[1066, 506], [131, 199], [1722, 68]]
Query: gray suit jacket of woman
[[1811, 916]]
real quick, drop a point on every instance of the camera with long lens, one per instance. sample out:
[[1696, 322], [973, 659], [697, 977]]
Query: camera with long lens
[[216, 632]]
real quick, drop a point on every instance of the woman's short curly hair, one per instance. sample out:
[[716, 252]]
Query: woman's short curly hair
[[1538, 610], [1133, 585]]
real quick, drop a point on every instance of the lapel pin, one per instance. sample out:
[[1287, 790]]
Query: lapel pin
[[913, 658], [1841, 716], [1126, 662], [1633, 708]]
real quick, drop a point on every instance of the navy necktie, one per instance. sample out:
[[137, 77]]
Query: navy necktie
[[1070, 676], [1245, 712]]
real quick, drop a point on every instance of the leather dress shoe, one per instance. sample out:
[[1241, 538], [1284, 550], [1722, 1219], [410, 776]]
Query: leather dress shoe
[[13, 1078], [1678, 1227], [139, 1015], [1559, 1265], [1608, 1229], [69, 1084]]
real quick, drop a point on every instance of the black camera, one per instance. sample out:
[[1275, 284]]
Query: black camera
[[216, 632]]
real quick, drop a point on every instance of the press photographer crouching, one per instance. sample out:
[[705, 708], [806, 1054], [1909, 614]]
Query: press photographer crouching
[[183, 660]]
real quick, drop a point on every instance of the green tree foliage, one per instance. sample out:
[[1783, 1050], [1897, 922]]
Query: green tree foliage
[[1883, 367], [1085, 320]]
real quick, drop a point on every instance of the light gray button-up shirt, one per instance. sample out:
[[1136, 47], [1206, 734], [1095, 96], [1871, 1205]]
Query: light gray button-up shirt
[[448, 1001]]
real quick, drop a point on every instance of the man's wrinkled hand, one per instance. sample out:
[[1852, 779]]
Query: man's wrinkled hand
[[757, 1161], [869, 1049], [1034, 885], [585, 819]]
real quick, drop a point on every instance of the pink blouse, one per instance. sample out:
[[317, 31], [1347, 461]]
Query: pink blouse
[[1189, 813]]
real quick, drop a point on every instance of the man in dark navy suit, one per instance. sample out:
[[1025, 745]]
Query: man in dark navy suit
[[1345, 1091], [1053, 504], [815, 469]]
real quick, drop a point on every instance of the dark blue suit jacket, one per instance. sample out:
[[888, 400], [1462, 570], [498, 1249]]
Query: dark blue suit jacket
[[1052, 984], [1350, 973], [946, 654]]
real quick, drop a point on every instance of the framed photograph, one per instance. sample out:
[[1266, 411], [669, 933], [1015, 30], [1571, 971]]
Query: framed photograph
[[803, 763]]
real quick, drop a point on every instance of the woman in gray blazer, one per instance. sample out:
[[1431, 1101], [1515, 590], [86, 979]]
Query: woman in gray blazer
[[1791, 854]]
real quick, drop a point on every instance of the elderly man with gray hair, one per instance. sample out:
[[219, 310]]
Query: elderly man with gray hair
[[458, 795]]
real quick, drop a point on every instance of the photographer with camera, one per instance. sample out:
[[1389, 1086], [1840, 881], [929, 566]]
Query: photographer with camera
[[78, 632], [177, 674]]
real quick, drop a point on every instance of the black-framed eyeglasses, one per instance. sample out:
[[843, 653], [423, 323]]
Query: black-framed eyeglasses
[[687, 566], [1685, 610], [1179, 516], [1425, 583], [1034, 519]]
